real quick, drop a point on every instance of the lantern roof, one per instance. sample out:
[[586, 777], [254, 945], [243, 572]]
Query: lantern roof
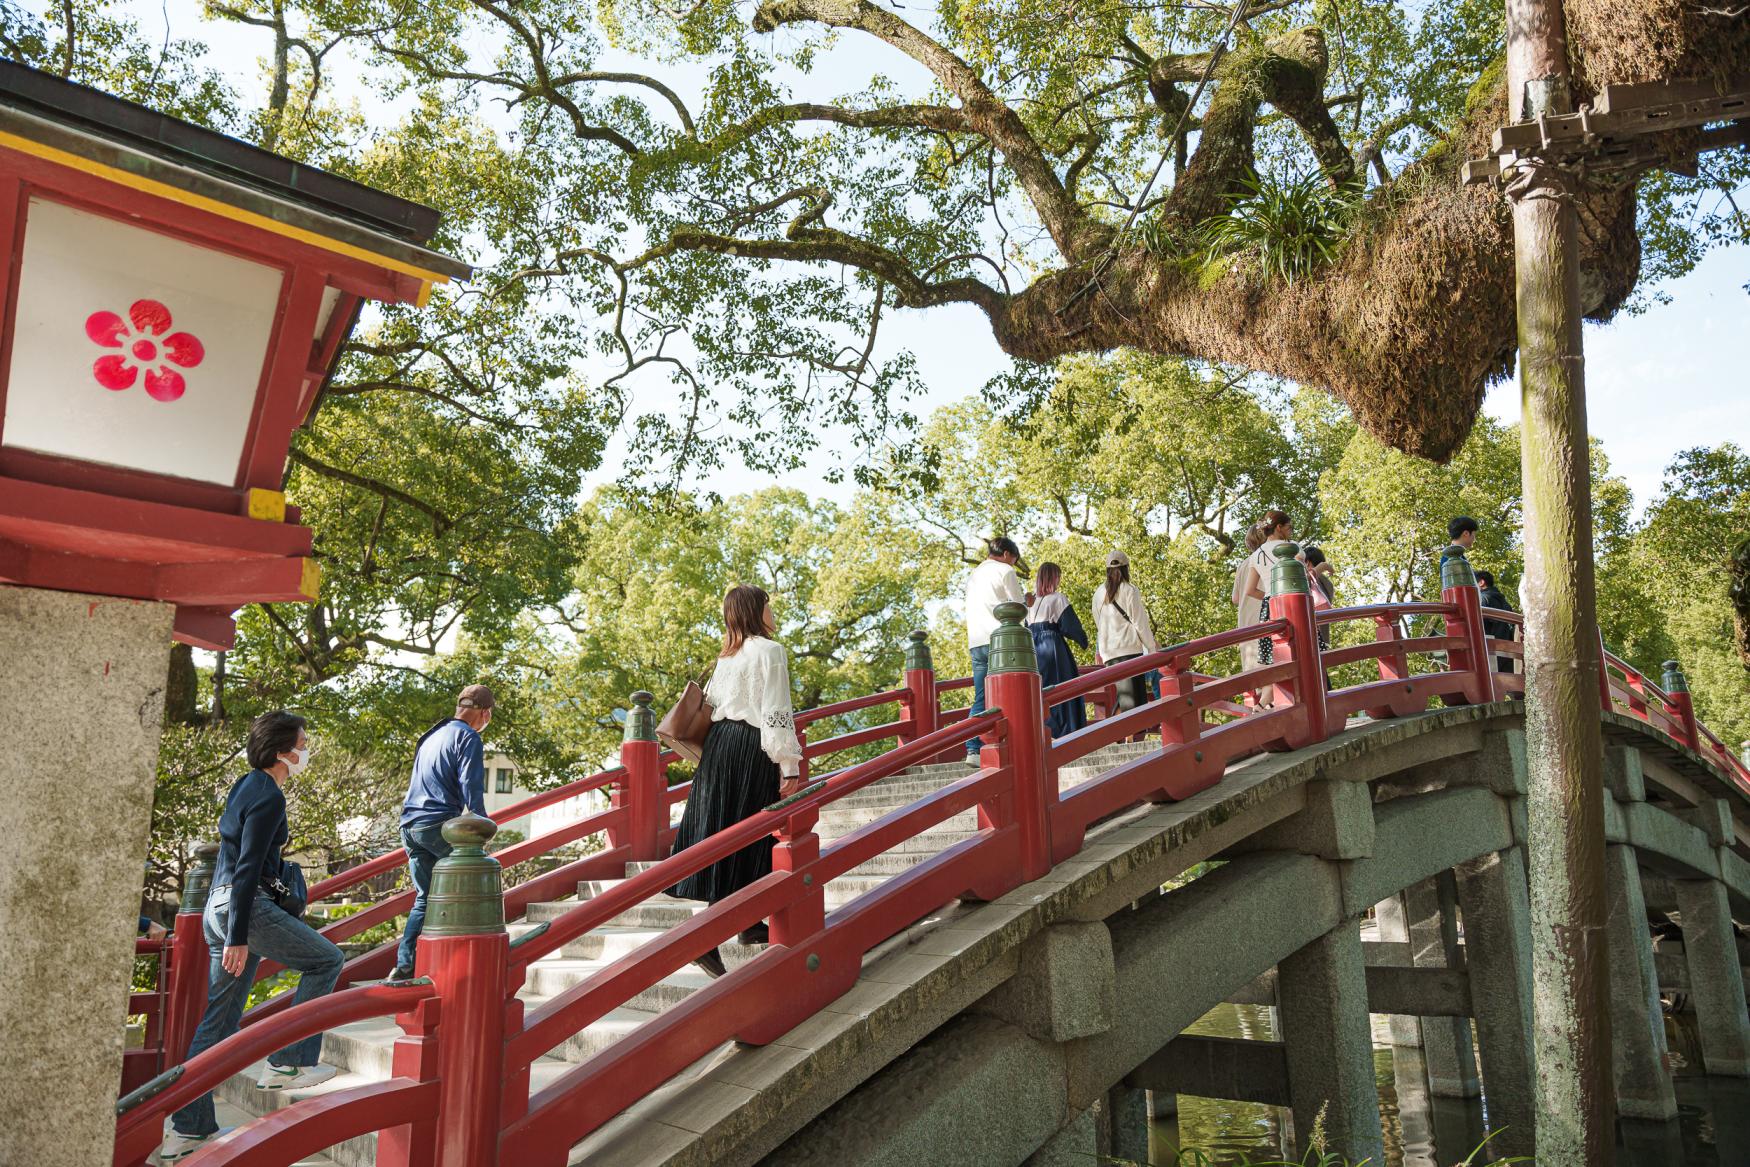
[[108, 134]]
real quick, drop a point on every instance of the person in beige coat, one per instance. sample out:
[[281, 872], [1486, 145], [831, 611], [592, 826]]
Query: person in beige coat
[[1121, 627]]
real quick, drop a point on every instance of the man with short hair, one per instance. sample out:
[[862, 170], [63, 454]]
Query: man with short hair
[[992, 582], [449, 776], [1462, 531], [1492, 597]]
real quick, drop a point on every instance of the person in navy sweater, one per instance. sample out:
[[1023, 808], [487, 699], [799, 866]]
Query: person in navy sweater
[[449, 776], [245, 924]]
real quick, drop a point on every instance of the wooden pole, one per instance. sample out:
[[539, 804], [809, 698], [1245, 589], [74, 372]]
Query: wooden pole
[[1570, 974]]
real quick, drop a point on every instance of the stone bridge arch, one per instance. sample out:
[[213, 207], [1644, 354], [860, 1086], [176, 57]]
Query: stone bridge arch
[[1026, 1029]]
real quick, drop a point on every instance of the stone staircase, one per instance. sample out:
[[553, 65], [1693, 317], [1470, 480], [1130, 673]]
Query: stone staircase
[[364, 1051]]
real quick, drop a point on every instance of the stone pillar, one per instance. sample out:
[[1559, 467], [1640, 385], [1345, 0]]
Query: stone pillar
[[78, 759], [1073, 1146], [1716, 980], [1496, 902], [1322, 1002], [1643, 1084], [1394, 928], [1127, 1111], [1432, 909]]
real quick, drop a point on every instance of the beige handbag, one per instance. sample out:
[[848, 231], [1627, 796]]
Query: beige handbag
[[684, 726]]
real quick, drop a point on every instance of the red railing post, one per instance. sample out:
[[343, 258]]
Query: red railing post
[[1012, 686], [1291, 600], [922, 710], [1678, 701], [797, 847], [185, 991], [465, 952], [645, 788], [1458, 587]]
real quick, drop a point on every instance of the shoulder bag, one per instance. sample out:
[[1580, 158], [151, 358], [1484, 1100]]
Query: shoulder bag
[[288, 889], [684, 726]]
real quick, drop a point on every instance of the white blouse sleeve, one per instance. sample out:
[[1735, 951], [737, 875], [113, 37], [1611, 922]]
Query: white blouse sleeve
[[777, 725], [1143, 627]]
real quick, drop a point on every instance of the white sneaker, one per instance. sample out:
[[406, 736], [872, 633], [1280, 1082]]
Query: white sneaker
[[181, 1146], [294, 1078]]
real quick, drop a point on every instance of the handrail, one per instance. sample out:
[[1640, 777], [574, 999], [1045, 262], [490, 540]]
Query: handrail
[[666, 873], [814, 956], [141, 1114]]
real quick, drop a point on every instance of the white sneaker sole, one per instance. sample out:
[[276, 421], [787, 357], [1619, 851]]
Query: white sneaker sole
[[294, 1082]]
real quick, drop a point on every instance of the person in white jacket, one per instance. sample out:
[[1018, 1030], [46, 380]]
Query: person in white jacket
[[751, 758], [991, 583], [1121, 627]]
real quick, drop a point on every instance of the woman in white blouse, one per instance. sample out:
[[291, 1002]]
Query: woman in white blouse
[[1121, 627], [1251, 594], [751, 756]]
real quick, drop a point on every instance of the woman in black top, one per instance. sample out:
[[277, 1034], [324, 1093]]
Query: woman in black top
[[245, 924]]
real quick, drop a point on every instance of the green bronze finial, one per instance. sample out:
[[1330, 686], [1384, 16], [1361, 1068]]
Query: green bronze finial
[[1289, 574], [467, 887], [640, 720], [1011, 645], [917, 652], [1675, 681], [1455, 569], [200, 878]]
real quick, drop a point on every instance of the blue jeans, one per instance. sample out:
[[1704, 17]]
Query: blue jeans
[[980, 669], [425, 846], [277, 936]]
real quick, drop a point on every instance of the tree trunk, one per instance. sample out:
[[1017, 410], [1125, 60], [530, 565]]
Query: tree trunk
[[1570, 974]]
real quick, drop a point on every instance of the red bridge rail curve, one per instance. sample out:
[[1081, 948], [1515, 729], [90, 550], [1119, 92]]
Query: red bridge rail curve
[[460, 1090]]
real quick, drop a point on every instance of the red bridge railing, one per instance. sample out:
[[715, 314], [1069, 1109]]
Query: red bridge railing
[[460, 1091]]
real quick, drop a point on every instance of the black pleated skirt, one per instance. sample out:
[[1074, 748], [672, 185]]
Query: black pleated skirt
[[735, 779]]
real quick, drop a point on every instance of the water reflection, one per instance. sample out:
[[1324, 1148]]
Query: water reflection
[[1712, 1128]]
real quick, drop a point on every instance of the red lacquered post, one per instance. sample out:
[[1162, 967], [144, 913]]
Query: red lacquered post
[[1458, 587], [185, 991], [797, 847], [640, 754], [464, 950], [920, 688], [1676, 687], [1013, 687], [1291, 600]]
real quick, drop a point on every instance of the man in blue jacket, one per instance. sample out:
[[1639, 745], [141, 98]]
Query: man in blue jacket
[[449, 776]]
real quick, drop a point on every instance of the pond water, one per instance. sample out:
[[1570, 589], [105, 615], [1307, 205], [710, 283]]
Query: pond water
[[1712, 1128]]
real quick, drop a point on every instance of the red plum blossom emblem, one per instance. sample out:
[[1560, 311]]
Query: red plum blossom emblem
[[144, 346]]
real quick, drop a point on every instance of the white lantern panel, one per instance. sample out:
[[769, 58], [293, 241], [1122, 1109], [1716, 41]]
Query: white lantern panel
[[133, 348]]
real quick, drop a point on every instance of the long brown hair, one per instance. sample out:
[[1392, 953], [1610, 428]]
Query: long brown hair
[[744, 616], [1261, 532], [1046, 579], [1114, 577]]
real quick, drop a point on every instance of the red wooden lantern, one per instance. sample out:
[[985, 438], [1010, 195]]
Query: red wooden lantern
[[173, 301]]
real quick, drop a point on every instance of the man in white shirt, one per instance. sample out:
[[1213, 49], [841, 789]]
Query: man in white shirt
[[991, 583]]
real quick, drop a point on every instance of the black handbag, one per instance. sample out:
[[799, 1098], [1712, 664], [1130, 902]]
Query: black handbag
[[288, 889]]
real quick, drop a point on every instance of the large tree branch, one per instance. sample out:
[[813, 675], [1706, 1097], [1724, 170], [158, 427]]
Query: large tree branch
[[439, 521], [1075, 233]]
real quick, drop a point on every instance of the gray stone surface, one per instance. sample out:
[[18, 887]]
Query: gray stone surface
[[1622, 774], [1127, 1121], [77, 764], [1716, 979], [977, 1091], [1419, 992], [1496, 904], [1073, 1146], [1393, 928], [1066, 988], [1336, 823], [1329, 1041], [1637, 1024]]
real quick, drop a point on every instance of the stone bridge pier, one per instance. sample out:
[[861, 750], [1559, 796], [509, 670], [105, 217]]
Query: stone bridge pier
[[1381, 873]]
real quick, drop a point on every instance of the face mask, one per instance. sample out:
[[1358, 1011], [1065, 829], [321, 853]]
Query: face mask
[[297, 763]]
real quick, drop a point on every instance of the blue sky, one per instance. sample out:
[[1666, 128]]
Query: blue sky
[[1673, 377]]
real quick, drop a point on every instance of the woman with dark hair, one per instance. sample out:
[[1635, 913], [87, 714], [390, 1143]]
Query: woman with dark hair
[[1324, 590], [1121, 627], [752, 738], [1053, 622], [244, 923], [1251, 594]]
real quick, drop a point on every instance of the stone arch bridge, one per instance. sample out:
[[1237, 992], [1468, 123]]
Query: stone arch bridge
[[996, 963]]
